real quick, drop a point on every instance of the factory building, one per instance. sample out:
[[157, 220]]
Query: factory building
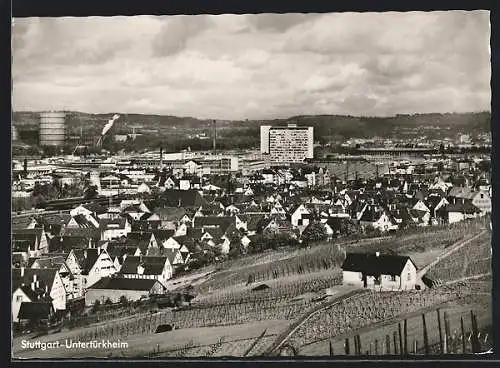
[[52, 129], [287, 144]]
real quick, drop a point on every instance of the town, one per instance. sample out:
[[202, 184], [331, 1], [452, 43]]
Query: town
[[222, 238], [252, 186]]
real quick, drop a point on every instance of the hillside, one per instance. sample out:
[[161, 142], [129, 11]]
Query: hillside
[[178, 132]]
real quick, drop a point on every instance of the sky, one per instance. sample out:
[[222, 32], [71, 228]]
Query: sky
[[260, 66]]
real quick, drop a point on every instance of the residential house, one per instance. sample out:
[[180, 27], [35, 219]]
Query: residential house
[[32, 284], [114, 229], [58, 261], [300, 216], [93, 264], [36, 239], [376, 217], [147, 267], [479, 199], [169, 217], [35, 313], [456, 212], [114, 288], [379, 271], [182, 198]]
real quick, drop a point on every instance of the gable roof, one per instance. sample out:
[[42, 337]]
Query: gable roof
[[466, 207], [35, 310], [373, 265], [49, 262], [118, 250], [45, 276], [118, 283], [162, 234], [170, 213], [118, 223], [371, 214], [95, 208], [74, 242], [90, 232], [463, 193], [82, 221], [171, 254], [220, 221], [20, 245], [152, 265], [86, 258]]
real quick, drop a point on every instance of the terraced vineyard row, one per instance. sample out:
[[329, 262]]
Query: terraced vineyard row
[[432, 237], [370, 308], [220, 315], [472, 259], [279, 290], [322, 257]]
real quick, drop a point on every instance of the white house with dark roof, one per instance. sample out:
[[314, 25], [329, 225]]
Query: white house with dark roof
[[379, 271], [93, 264], [114, 228], [43, 283], [147, 267], [114, 288]]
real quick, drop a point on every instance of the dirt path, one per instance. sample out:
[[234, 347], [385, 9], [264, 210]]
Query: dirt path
[[450, 250]]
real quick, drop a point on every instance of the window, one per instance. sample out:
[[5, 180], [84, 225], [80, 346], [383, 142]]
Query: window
[[19, 298], [408, 278], [393, 277]]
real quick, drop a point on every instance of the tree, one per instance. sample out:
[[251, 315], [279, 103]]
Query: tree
[[315, 232], [90, 192], [349, 227], [108, 302], [371, 231]]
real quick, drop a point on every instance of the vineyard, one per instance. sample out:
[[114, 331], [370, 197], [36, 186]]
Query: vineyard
[[279, 290], [368, 309], [436, 329], [472, 259], [279, 264], [322, 257], [218, 315], [432, 237]]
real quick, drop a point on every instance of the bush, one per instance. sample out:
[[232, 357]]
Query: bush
[[123, 300], [96, 306]]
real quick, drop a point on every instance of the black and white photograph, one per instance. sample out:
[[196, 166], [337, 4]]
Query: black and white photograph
[[252, 186]]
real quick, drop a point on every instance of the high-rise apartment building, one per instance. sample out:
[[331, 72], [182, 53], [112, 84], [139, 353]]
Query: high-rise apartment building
[[287, 144]]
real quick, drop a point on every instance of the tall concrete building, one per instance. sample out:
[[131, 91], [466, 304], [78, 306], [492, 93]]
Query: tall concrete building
[[287, 144]]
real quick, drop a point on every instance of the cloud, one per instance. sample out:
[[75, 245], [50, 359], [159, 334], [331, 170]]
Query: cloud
[[176, 32], [278, 22], [254, 66]]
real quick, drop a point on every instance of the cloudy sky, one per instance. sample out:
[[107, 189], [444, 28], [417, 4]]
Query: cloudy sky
[[254, 66]]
